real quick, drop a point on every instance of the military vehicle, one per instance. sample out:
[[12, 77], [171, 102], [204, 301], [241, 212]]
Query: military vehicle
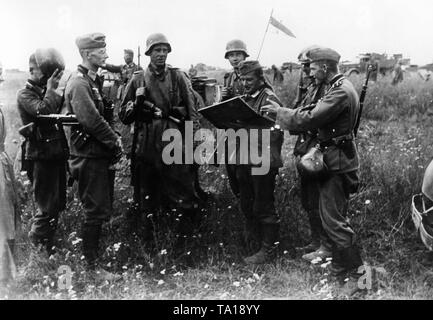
[[384, 63]]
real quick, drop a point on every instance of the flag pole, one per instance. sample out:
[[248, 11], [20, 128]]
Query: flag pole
[[264, 36]]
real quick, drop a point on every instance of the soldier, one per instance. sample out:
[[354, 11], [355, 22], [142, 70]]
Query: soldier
[[157, 99], [256, 192], [334, 118], [307, 96], [45, 148], [236, 52], [94, 145], [278, 76], [126, 71], [398, 73]]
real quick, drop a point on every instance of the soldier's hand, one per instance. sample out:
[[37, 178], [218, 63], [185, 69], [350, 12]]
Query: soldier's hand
[[54, 80], [270, 109], [157, 113]]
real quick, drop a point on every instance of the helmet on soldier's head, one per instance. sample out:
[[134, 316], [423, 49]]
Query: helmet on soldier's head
[[153, 40], [48, 60], [236, 45]]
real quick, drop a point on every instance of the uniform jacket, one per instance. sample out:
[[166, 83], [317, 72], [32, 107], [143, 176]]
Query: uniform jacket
[[232, 80], [48, 141], [334, 116], [256, 101], [307, 139], [94, 138], [169, 91]]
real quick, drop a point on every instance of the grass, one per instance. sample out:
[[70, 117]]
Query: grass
[[394, 145]]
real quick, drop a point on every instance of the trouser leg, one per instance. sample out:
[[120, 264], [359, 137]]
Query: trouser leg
[[334, 201], [94, 192], [49, 183]]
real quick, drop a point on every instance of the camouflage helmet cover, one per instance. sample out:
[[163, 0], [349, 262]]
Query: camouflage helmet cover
[[236, 45], [153, 40], [48, 60]]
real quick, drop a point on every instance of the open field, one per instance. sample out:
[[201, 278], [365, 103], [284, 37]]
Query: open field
[[395, 147]]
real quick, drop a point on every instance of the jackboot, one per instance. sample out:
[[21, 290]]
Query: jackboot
[[268, 249], [91, 235], [352, 262], [322, 253], [252, 235]]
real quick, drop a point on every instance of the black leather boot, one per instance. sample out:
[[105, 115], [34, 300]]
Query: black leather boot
[[90, 236], [268, 250]]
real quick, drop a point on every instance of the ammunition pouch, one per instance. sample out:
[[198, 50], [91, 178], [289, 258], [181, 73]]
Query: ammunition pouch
[[344, 143], [79, 138]]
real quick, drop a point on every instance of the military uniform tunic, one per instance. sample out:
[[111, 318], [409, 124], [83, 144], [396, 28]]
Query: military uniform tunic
[[46, 152], [334, 119], [158, 183], [257, 191], [92, 144]]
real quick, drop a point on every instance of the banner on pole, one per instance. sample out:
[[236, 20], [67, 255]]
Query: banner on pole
[[281, 27]]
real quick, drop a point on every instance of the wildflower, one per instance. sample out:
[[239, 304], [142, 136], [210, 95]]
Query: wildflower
[[367, 202], [178, 274], [160, 282], [236, 283], [206, 286], [163, 251], [162, 271]]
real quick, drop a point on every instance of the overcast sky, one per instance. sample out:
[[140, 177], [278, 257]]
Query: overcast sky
[[199, 29]]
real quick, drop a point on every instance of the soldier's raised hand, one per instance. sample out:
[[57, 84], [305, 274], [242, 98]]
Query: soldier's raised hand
[[54, 80]]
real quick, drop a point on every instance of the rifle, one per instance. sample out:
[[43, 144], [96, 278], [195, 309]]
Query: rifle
[[370, 69], [63, 119], [138, 56]]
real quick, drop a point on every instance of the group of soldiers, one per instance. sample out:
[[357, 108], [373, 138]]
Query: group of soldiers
[[160, 98]]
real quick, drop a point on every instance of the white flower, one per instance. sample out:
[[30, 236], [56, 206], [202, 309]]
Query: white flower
[[206, 286], [160, 282], [367, 202], [163, 251], [236, 283], [162, 271], [178, 274]]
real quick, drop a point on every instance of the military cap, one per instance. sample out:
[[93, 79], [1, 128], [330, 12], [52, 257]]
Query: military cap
[[322, 53], [249, 66], [153, 40], [302, 57], [128, 51], [91, 41]]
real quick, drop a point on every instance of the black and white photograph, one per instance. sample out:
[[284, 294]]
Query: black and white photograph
[[216, 154]]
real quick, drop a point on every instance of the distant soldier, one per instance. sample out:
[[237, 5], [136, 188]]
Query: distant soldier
[[236, 52], [94, 145], [126, 71], [398, 73], [45, 148], [334, 118], [192, 72], [278, 75], [158, 99], [307, 98], [256, 192]]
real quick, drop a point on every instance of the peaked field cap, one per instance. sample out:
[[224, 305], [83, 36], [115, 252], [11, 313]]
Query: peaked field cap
[[249, 66], [129, 51], [91, 41], [302, 57], [322, 53]]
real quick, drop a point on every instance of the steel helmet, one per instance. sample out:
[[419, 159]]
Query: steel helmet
[[154, 39], [48, 60], [422, 216], [236, 45]]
